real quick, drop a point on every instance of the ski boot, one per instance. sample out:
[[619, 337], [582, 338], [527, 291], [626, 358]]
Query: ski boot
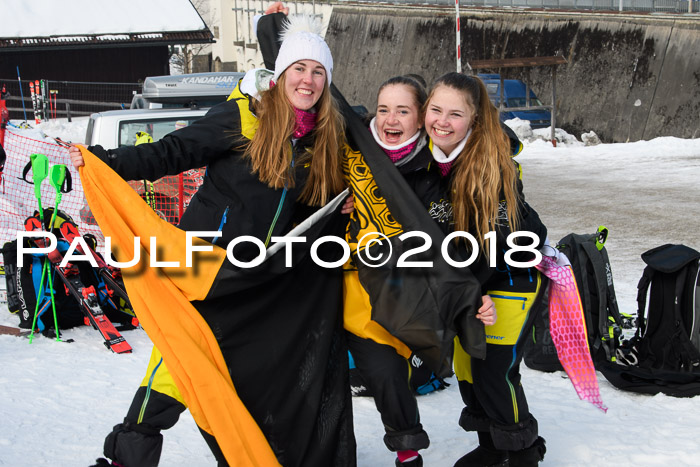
[[485, 454], [528, 457]]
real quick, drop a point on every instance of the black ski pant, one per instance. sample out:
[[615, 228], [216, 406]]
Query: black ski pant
[[387, 374], [157, 405], [137, 442], [493, 396]]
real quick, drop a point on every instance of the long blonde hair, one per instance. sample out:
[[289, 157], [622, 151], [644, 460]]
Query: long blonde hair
[[270, 150], [484, 170]]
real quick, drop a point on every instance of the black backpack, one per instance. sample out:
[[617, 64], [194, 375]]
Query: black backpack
[[24, 287], [664, 354], [23, 292], [591, 268]]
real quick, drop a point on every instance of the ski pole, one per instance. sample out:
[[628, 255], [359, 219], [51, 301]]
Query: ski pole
[[40, 170], [56, 178], [21, 93]]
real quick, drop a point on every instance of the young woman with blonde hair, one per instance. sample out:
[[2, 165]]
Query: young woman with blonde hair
[[273, 155], [473, 157]]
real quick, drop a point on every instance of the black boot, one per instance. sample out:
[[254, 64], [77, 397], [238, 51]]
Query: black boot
[[134, 445], [485, 454], [528, 457], [102, 462], [417, 462]]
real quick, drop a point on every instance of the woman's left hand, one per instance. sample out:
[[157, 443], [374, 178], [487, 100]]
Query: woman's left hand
[[277, 7], [487, 311], [349, 205]]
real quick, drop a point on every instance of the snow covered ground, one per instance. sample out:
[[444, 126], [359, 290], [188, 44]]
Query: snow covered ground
[[60, 400]]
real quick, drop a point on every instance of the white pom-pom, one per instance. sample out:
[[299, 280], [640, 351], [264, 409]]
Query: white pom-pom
[[301, 23]]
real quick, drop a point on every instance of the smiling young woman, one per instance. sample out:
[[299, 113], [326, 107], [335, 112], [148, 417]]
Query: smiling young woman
[[481, 181], [273, 156], [448, 118], [304, 82], [299, 100], [398, 114]]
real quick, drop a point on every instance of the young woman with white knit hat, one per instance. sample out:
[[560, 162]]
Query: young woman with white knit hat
[[273, 155]]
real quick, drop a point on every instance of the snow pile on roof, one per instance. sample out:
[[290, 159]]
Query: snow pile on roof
[[45, 18]]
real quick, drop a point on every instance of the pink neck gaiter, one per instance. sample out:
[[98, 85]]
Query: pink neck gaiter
[[305, 122], [397, 154], [444, 167]]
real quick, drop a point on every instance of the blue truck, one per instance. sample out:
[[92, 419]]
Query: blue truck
[[515, 95]]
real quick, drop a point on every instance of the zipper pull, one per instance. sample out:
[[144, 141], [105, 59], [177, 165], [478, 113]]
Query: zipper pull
[[221, 226]]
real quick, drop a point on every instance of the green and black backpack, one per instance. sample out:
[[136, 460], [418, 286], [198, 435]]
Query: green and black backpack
[[604, 323]]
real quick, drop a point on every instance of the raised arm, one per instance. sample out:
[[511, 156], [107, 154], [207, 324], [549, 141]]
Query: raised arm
[[191, 147]]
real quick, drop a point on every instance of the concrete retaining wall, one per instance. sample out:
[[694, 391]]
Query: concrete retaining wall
[[627, 77]]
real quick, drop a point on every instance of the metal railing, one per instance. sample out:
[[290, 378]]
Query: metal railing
[[660, 6], [67, 98]]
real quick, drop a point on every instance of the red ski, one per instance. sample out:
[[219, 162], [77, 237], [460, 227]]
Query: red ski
[[35, 101], [110, 275], [12, 331]]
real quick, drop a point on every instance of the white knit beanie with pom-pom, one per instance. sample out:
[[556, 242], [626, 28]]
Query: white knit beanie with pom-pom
[[301, 40]]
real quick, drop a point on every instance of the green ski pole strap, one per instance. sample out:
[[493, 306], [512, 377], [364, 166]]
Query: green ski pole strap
[[39, 165], [60, 179]]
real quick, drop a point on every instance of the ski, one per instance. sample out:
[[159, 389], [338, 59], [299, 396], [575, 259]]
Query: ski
[[37, 120], [42, 102], [110, 275], [12, 331], [39, 100], [85, 296], [53, 95]]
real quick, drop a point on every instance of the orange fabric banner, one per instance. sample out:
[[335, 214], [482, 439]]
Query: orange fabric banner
[[160, 288]]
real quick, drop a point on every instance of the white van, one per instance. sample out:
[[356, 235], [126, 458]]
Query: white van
[[117, 128], [167, 104]]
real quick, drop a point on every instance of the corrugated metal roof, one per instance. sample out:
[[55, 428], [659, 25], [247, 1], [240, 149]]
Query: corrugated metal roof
[[106, 39]]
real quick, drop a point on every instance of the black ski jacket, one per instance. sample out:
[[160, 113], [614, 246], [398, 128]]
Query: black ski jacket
[[223, 202], [423, 175]]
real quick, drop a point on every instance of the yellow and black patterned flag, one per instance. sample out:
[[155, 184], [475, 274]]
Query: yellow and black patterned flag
[[423, 307]]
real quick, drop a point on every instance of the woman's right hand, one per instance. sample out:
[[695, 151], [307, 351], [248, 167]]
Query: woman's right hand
[[76, 157], [277, 7], [349, 205]]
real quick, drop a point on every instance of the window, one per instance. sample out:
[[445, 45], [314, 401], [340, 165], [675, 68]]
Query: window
[[156, 128], [521, 102]]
